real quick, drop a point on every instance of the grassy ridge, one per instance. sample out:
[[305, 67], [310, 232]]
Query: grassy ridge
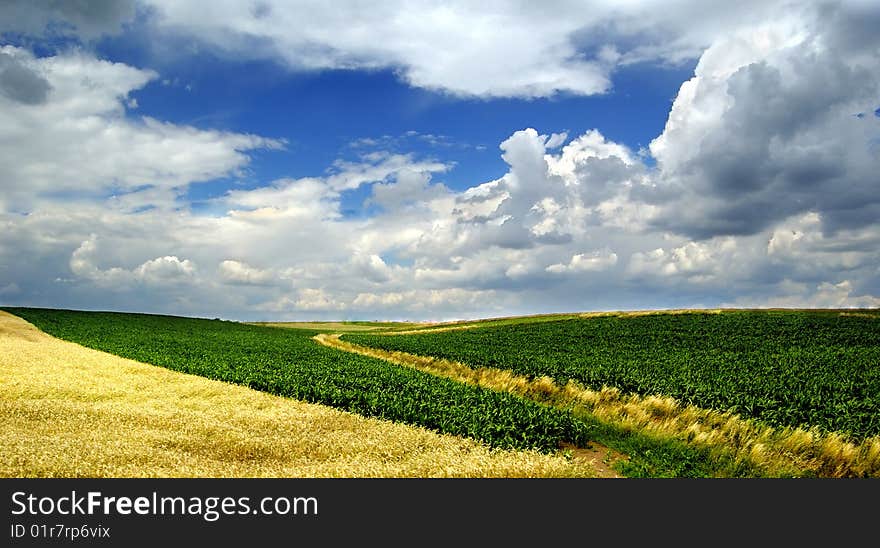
[[785, 368], [288, 363]]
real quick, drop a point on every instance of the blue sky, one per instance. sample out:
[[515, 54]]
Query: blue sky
[[322, 114], [439, 160]]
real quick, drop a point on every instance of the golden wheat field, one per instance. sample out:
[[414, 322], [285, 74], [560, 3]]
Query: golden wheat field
[[68, 411]]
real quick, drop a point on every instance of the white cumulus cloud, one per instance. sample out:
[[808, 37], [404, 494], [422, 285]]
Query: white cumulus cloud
[[586, 262]]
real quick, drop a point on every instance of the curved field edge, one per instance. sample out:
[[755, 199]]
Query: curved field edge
[[288, 363], [737, 442], [70, 411]]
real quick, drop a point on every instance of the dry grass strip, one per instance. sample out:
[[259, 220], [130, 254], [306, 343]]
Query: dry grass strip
[[69, 411], [777, 450]]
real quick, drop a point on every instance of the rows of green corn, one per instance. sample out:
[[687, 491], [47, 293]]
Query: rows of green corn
[[785, 368]]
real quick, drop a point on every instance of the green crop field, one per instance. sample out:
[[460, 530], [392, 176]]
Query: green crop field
[[287, 362], [785, 368]]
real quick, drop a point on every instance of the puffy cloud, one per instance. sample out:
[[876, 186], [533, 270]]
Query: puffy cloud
[[19, 82], [460, 48], [799, 247], [426, 301], [237, 272], [165, 269], [556, 140], [371, 267], [88, 19], [586, 262], [765, 130], [544, 199], [697, 260], [158, 271], [467, 49], [78, 137], [410, 188], [284, 198], [824, 295], [786, 239], [376, 167], [316, 299]]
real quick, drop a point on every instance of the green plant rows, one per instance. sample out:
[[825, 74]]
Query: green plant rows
[[785, 368]]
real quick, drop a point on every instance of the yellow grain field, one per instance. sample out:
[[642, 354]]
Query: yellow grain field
[[69, 411]]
